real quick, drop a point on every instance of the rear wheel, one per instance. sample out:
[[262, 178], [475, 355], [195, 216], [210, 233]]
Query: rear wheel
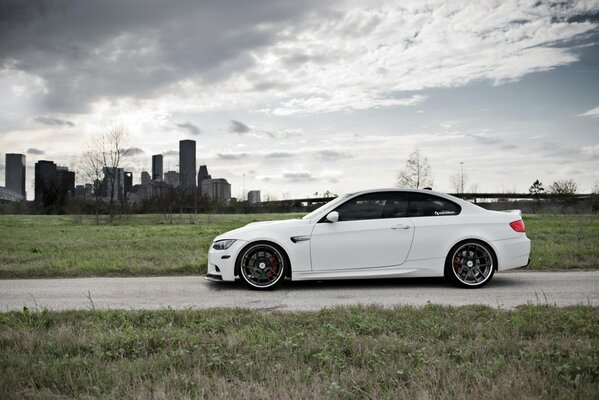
[[262, 265], [470, 264]]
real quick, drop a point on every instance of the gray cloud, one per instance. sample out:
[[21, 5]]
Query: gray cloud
[[329, 155], [231, 156], [485, 138], [279, 154], [171, 153], [298, 176], [558, 150], [50, 121], [190, 128], [34, 151], [133, 151], [127, 49], [238, 127]]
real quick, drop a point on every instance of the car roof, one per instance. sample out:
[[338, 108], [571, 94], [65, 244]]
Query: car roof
[[428, 191]]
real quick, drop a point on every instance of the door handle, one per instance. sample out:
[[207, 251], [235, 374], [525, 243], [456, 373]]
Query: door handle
[[400, 226]]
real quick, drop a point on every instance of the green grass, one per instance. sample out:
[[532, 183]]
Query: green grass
[[564, 241], [66, 246], [344, 353]]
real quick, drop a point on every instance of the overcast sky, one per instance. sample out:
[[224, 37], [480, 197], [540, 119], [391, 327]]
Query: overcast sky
[[310, 96]]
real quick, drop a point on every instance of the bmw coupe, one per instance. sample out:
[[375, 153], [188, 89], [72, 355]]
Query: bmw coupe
[[383, 233]]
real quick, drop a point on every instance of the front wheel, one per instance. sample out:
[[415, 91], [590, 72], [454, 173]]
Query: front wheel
[[470, 264], [262, 265]]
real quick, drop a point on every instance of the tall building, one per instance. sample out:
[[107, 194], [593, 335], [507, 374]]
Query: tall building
[[128, 182], [202, 175], [65, 181], [171, 178], [53, 184], [216, 189], [254, 196], [15, 173], [45, 179], [145, 178], [187, 164], [157, 167], [114, 183]]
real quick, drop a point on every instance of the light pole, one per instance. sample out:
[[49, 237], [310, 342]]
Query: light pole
[[462, 177]]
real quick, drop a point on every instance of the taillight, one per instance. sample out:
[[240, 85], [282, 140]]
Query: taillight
[[518, 226]]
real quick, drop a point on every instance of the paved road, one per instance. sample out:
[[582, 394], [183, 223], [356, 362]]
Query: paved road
[[506, 290]]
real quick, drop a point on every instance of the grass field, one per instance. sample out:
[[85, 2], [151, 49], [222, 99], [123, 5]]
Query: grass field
[[65, 246], [346, 353]]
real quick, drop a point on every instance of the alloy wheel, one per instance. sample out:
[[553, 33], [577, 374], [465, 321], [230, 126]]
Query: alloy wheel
[[472, 264], [262, 266]]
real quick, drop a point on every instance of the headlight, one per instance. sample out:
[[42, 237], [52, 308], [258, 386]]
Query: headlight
[[223, 244]]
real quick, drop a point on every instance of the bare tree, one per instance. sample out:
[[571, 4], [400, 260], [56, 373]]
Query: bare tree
[[102, 163], [417, 172], [459, 180], [563, 187]]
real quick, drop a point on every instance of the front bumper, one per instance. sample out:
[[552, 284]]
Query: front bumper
[[221, 263]]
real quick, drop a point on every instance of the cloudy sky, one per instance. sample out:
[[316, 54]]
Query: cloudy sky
[[310, 96]]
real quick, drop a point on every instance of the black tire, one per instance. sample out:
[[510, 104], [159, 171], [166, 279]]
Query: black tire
[[470, 264], [262, 265]]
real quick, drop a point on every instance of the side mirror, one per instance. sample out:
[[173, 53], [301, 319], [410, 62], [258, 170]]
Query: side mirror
[[333, 216]]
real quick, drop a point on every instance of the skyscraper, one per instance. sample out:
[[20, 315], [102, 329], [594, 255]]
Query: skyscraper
[[15, 173], [171, 178], [157, 167], [187, 164], [45, 181], [114, 183], [145, 178], [53, 184], [65, 181], [128, 182], [203, 174]]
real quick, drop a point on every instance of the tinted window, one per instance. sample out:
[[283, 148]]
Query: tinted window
[[374, 206], [426, 205]]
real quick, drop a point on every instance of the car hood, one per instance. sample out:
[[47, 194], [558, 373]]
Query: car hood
[[240, 233]]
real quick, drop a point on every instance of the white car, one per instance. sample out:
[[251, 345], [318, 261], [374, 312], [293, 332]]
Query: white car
[[384, 233]]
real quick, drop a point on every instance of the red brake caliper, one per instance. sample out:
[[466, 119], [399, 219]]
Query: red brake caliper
[[274, 266], [457, 266]]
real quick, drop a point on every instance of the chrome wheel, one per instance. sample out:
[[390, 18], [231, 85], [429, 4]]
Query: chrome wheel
[[262, 266], [472, 264]]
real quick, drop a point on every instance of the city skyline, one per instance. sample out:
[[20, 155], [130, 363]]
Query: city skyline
[[508, 89]]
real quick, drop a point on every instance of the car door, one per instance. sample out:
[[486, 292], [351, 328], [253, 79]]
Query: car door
[[436, 221], [373, 231]]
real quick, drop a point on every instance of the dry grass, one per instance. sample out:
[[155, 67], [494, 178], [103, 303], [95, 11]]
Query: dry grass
[[344, 353]]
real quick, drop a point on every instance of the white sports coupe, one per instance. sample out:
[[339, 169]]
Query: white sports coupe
[[383, 233]]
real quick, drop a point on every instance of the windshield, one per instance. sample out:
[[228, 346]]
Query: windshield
[[327, 205]]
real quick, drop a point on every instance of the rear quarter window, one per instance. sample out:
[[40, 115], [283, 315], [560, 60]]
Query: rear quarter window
[[426, 205]]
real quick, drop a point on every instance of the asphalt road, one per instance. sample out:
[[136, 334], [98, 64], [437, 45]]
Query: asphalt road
[[506, 290]]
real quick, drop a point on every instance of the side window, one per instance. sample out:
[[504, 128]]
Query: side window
[[374, 206], [424, 205]]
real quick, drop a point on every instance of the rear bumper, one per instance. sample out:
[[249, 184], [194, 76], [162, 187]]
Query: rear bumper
[[512, 253]]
